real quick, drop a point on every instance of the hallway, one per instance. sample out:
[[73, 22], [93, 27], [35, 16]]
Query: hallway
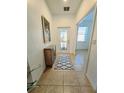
[[64, 81], [52, 29], [35, 32]]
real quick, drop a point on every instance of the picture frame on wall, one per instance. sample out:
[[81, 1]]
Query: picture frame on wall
[[46, 30]]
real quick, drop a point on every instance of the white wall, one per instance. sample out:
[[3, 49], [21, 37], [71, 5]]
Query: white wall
[[65, 21], [92, 63], [35, 44]]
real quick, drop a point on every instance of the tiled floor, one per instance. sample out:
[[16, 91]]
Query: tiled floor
[[61, 81], [80, 59]]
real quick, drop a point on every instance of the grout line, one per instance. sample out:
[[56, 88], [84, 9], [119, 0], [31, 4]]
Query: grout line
[[63, 81], [65, 85], [63, 72]]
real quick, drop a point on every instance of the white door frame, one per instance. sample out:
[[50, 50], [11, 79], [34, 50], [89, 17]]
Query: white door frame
[[90, 43], [92, 30]]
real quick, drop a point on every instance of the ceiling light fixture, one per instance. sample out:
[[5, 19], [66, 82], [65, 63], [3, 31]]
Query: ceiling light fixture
[[66, 8], [65, 0]]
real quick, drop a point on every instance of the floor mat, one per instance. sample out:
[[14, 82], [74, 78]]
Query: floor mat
[[63, 62]]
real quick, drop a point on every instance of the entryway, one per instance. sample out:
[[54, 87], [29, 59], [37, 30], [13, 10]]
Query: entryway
[[63, 42]]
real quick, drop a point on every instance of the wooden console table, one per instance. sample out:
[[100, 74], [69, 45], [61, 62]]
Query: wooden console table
[[50, 55]]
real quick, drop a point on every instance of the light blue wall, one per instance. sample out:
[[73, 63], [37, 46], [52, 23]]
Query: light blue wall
[[86, 22]]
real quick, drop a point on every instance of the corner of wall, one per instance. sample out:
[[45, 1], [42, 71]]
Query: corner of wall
[[91, 82]]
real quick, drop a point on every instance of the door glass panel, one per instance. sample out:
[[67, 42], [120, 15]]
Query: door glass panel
[[63, 39]]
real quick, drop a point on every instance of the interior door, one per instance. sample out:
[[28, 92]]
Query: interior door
[[63, 42]]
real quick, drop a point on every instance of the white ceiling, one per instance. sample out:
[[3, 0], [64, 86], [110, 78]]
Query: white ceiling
[[57, 6]]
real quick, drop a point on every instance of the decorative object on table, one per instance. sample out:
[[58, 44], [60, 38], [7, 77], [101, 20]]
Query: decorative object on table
[[46, 30]]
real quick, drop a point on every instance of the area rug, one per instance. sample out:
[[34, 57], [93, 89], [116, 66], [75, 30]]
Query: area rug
[[63, 62]]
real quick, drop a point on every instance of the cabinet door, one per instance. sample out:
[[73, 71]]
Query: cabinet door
[[48, 57]]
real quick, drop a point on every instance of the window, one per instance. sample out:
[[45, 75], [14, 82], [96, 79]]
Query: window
[[82, 34]]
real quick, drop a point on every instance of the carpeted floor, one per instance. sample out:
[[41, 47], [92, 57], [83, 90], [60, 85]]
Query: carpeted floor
[[63, 62]]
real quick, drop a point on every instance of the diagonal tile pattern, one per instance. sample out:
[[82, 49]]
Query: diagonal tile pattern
[[63, 81], [63, 62]]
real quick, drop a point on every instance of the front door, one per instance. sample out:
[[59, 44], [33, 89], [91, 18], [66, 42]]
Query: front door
[[63, 43]]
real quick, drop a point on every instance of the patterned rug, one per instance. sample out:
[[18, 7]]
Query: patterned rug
[[63, 62]]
